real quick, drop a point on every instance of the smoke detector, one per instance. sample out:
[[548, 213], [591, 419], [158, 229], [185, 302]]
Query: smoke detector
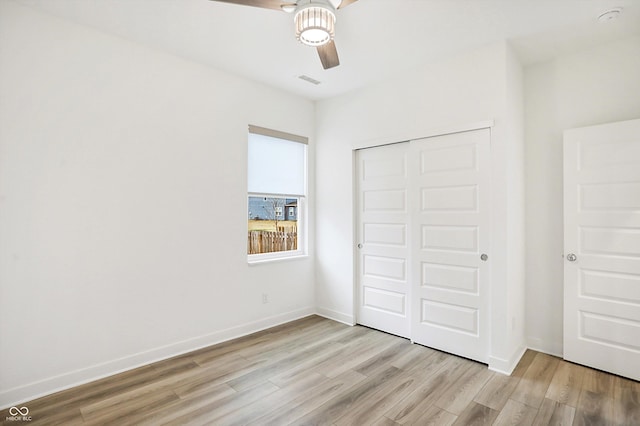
[[610, 15]]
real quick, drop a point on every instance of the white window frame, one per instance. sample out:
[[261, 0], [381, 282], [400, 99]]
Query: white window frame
[[301, 216]]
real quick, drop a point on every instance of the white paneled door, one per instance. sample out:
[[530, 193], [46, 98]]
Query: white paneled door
[[450, 184], [383, 249], [422, 230], [602, 247]]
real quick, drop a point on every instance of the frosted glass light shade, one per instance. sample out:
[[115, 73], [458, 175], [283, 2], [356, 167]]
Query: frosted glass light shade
[[315, 25]]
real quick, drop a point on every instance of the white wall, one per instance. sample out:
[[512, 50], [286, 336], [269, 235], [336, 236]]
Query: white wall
[[123, 206], [460, 90], [516, 201], [597, 86]]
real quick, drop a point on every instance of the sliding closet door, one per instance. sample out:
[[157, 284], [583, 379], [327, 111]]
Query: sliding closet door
[[449, 189], [382, 236]]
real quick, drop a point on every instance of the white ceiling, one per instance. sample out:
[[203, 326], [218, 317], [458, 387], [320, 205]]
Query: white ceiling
[[375, 38]]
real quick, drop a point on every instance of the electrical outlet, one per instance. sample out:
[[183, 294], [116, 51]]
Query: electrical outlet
[[265, 298]]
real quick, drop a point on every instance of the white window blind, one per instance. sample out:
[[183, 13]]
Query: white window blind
[[276, 166]]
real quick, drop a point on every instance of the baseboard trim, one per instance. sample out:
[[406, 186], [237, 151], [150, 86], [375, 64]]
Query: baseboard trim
[[28, 392], [506, 366], [536, 344], [336, 316]]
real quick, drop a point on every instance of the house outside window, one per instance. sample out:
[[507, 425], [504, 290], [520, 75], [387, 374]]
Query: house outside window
[[277, 181]]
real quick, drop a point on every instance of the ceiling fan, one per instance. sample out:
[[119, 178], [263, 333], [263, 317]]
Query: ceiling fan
[[314, 20]]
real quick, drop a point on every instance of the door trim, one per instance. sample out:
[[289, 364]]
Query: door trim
[[426, 133]]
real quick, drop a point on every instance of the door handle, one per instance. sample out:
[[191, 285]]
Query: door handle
[[359, 246], [572, 257], [484, 257]]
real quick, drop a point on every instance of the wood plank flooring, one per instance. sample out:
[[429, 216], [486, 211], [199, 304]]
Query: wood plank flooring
[[318, 372]]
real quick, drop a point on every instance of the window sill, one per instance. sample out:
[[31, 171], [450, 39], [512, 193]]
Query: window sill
[[253, 262]]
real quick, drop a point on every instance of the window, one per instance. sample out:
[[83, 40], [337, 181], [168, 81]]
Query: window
[[277, 182]]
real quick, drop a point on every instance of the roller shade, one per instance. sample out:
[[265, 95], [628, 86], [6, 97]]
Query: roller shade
[[276, 166]]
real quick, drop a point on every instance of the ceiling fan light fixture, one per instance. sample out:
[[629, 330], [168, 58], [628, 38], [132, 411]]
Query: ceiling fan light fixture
[[315, 24]]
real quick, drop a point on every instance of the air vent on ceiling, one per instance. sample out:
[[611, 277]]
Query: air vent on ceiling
[[309, 79]]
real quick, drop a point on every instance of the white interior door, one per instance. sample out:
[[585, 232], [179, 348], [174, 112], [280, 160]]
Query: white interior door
[[450, 184], [602, 247], [382, 178]]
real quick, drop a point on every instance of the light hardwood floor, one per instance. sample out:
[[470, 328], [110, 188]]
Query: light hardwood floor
[[315, 371]]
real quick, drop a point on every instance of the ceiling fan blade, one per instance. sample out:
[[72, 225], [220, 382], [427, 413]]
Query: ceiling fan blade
[[265, 4], [346, 3], [328, 55]]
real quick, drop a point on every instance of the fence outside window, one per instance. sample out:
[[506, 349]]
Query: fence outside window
[[284, 239]]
